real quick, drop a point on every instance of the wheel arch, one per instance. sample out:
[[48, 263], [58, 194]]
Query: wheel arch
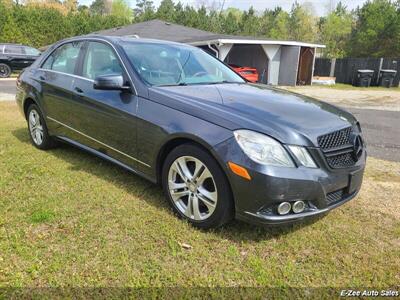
[[28, 102], [178, 140]]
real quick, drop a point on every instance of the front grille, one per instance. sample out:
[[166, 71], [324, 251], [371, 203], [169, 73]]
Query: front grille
[[332, 198], [341, 161], [337, 148], [335, 139]]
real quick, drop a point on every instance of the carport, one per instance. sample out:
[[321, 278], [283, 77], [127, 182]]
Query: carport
[[277, 62]]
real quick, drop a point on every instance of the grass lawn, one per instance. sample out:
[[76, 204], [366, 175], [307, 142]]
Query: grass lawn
[[70, 219]]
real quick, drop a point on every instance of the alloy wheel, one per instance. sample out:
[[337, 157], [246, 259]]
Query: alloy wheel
[[35, 127], [192, 188], [4, 71]]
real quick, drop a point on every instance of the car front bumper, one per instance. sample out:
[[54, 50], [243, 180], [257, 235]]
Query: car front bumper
[[259, 218], [322, 188]]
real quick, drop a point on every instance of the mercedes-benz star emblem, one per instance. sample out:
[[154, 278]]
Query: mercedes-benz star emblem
[[357, 147]]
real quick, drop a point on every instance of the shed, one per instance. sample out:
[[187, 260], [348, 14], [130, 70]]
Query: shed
[[277, 62]]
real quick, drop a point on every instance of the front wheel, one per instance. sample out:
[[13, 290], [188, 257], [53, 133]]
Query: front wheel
[[196, 187], [5, 70]]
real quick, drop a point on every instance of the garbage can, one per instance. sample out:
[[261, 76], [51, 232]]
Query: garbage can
[[386, 78], [364, 78]]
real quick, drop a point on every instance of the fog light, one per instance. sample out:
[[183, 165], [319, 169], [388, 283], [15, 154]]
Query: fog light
[[284, 208], [298, 207]]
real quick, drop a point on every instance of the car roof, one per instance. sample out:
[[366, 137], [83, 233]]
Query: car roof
[[12, 44], [118, 39]]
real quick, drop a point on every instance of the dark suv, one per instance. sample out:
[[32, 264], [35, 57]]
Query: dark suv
[[15, 57], [219, 146]]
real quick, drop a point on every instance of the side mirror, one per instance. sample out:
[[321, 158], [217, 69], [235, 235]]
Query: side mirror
[[110, 82]]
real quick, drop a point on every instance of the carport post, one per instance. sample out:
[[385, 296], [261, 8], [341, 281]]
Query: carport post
[[274, 56], [333, 65], [223, 50]]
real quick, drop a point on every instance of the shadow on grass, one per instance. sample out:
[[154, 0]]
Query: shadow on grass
[[80, 160]]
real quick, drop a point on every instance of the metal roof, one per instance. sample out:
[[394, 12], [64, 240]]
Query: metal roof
[[157, 29]]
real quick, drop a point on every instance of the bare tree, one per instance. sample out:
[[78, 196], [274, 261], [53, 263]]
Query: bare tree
[[211, 5], [330, 6]]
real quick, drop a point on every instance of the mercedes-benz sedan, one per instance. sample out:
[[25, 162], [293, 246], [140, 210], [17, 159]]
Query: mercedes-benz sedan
[[220, 146]]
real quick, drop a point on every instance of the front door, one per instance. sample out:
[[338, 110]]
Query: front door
[[106, 119]]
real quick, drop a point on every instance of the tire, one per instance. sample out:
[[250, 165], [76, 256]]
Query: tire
[[205, 200], [37, 129], [5, 70]]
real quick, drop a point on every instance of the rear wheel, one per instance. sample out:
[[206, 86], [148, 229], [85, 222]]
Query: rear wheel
[[196, 187], [37, 129], [5, 70]]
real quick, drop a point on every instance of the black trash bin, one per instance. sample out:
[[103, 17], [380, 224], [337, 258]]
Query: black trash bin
[[363, 78], [386, 78]]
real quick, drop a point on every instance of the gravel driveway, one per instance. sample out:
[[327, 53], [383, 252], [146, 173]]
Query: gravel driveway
[[7, 89], [368, 98], [381, 131]]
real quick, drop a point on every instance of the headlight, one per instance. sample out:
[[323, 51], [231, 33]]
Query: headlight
[[263, 149], [303, 156]]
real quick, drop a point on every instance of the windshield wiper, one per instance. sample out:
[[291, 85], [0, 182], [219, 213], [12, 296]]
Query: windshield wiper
[[173, 84], [199, 83], [220, 82]]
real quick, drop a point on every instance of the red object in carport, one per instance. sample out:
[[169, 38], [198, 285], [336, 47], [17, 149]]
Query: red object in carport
[[251, 74]]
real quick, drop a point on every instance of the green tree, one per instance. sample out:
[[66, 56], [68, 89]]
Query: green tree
[[121, 10], [9, 31], [82, 8], [98, 7], [185, 15], [302, 24], [166, 11], [144, 10], [43, 25], [71, 5], [377, 30], [274, 24], [280, 26], [335, 31], [231, 23], [250, 22]]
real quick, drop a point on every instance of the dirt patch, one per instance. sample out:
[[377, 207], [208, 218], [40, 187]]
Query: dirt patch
[[357, 98]]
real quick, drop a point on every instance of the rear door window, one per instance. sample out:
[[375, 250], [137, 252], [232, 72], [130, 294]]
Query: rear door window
[[64, 58]]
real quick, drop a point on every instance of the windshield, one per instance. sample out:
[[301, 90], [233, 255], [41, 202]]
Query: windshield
[[32, 51], [166, 64]]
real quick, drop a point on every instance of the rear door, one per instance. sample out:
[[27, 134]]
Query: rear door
[[106, 118], [57, 76]]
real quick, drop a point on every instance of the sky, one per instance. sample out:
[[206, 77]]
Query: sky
[[320, 6]]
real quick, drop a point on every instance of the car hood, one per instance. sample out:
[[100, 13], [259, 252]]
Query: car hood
[[291, 118]]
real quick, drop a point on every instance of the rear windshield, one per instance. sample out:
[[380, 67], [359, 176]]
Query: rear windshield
[[168, 64]]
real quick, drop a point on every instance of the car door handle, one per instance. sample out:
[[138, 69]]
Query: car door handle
[[78, 90], [42, 78]]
